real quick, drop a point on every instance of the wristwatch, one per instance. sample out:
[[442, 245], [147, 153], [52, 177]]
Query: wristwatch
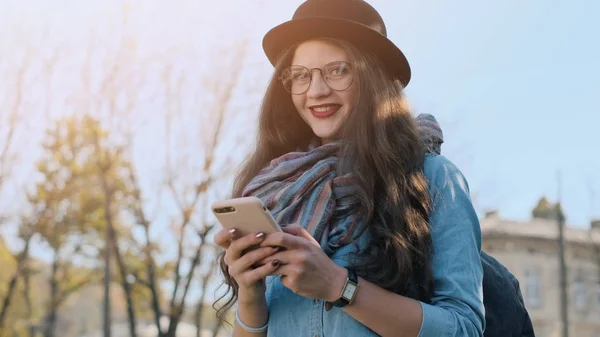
[[348, 292]]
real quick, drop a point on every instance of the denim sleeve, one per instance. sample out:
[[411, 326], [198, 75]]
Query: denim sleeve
[[456, 308]]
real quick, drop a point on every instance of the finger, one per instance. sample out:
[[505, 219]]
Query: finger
[[237, 246], [287, 241], [249, 259], [288, 278], [252, 276], [293, 229], [284, 257], [297, 230], [223, 237], [284, 270]]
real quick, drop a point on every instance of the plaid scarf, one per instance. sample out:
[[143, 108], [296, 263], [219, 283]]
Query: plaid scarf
[[304, 188]]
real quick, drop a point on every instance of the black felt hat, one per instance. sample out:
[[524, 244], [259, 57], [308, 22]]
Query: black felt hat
[[354, 21]]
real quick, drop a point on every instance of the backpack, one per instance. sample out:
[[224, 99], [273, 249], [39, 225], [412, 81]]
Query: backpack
[[505, 312]]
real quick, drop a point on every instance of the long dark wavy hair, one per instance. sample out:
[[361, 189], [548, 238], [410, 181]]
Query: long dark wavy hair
[[381, 146]]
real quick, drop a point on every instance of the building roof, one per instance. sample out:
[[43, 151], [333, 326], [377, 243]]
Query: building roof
[[494, 225]]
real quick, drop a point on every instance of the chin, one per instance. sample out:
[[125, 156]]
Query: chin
[[325, 129], [325, 135]]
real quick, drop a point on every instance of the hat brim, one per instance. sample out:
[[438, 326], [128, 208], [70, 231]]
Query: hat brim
[[366, 39]]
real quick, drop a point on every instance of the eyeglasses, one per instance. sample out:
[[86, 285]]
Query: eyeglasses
[[297, 79]]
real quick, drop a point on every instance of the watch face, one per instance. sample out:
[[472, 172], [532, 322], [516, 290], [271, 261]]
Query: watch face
[[349, 291]]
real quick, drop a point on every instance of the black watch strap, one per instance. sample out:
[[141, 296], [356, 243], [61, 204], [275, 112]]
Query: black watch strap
[[348, 292]]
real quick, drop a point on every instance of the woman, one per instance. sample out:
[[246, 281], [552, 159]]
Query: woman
[[379, 237]]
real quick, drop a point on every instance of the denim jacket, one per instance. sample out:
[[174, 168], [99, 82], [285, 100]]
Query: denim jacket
[[456, 308]]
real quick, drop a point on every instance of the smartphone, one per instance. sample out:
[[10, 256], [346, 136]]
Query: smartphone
[[246, 215]]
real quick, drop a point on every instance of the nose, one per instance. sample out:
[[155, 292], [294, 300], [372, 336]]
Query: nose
[[318, 87]]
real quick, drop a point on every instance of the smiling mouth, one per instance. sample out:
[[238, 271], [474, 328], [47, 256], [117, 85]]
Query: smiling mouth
[[325, 110]]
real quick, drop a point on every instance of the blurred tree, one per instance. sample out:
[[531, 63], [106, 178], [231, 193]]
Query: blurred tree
[[20, 266], [191, 225], [17, 119], [10, 119], [110, 171], [77, 203], [59, 208], [545, 210], [88, 202], [118, 87]]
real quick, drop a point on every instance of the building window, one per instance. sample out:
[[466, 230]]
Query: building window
[[579, 292], [533, 293]]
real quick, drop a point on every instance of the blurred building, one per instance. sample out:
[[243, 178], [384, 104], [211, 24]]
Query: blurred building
[[530, 251]]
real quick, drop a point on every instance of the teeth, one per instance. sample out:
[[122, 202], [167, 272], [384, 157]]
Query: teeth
[[324, 108]]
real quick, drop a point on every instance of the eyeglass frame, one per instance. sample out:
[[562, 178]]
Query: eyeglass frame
[[310, 71]]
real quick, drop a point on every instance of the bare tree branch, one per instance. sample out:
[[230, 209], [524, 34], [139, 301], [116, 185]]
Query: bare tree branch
[[112, 243], [150, 263]]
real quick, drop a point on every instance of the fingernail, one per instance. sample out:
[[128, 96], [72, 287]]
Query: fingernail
[[260, 235], [275, 263], [232, 231]]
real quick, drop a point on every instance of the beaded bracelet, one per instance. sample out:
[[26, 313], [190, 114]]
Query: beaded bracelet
[[247, 328]]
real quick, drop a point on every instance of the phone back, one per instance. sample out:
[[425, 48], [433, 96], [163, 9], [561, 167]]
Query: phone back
[[246, 215]]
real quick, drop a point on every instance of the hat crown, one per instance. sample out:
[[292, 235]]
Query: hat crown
[[357, 11], [354, 21]]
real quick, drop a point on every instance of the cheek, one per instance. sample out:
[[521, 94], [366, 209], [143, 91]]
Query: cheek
[[298, 101], [349, 98]]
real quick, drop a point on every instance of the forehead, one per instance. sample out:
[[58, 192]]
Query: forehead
[[317, 53]]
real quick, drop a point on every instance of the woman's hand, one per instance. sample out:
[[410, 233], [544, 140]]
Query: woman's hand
[[240, 261], [304, 267]]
